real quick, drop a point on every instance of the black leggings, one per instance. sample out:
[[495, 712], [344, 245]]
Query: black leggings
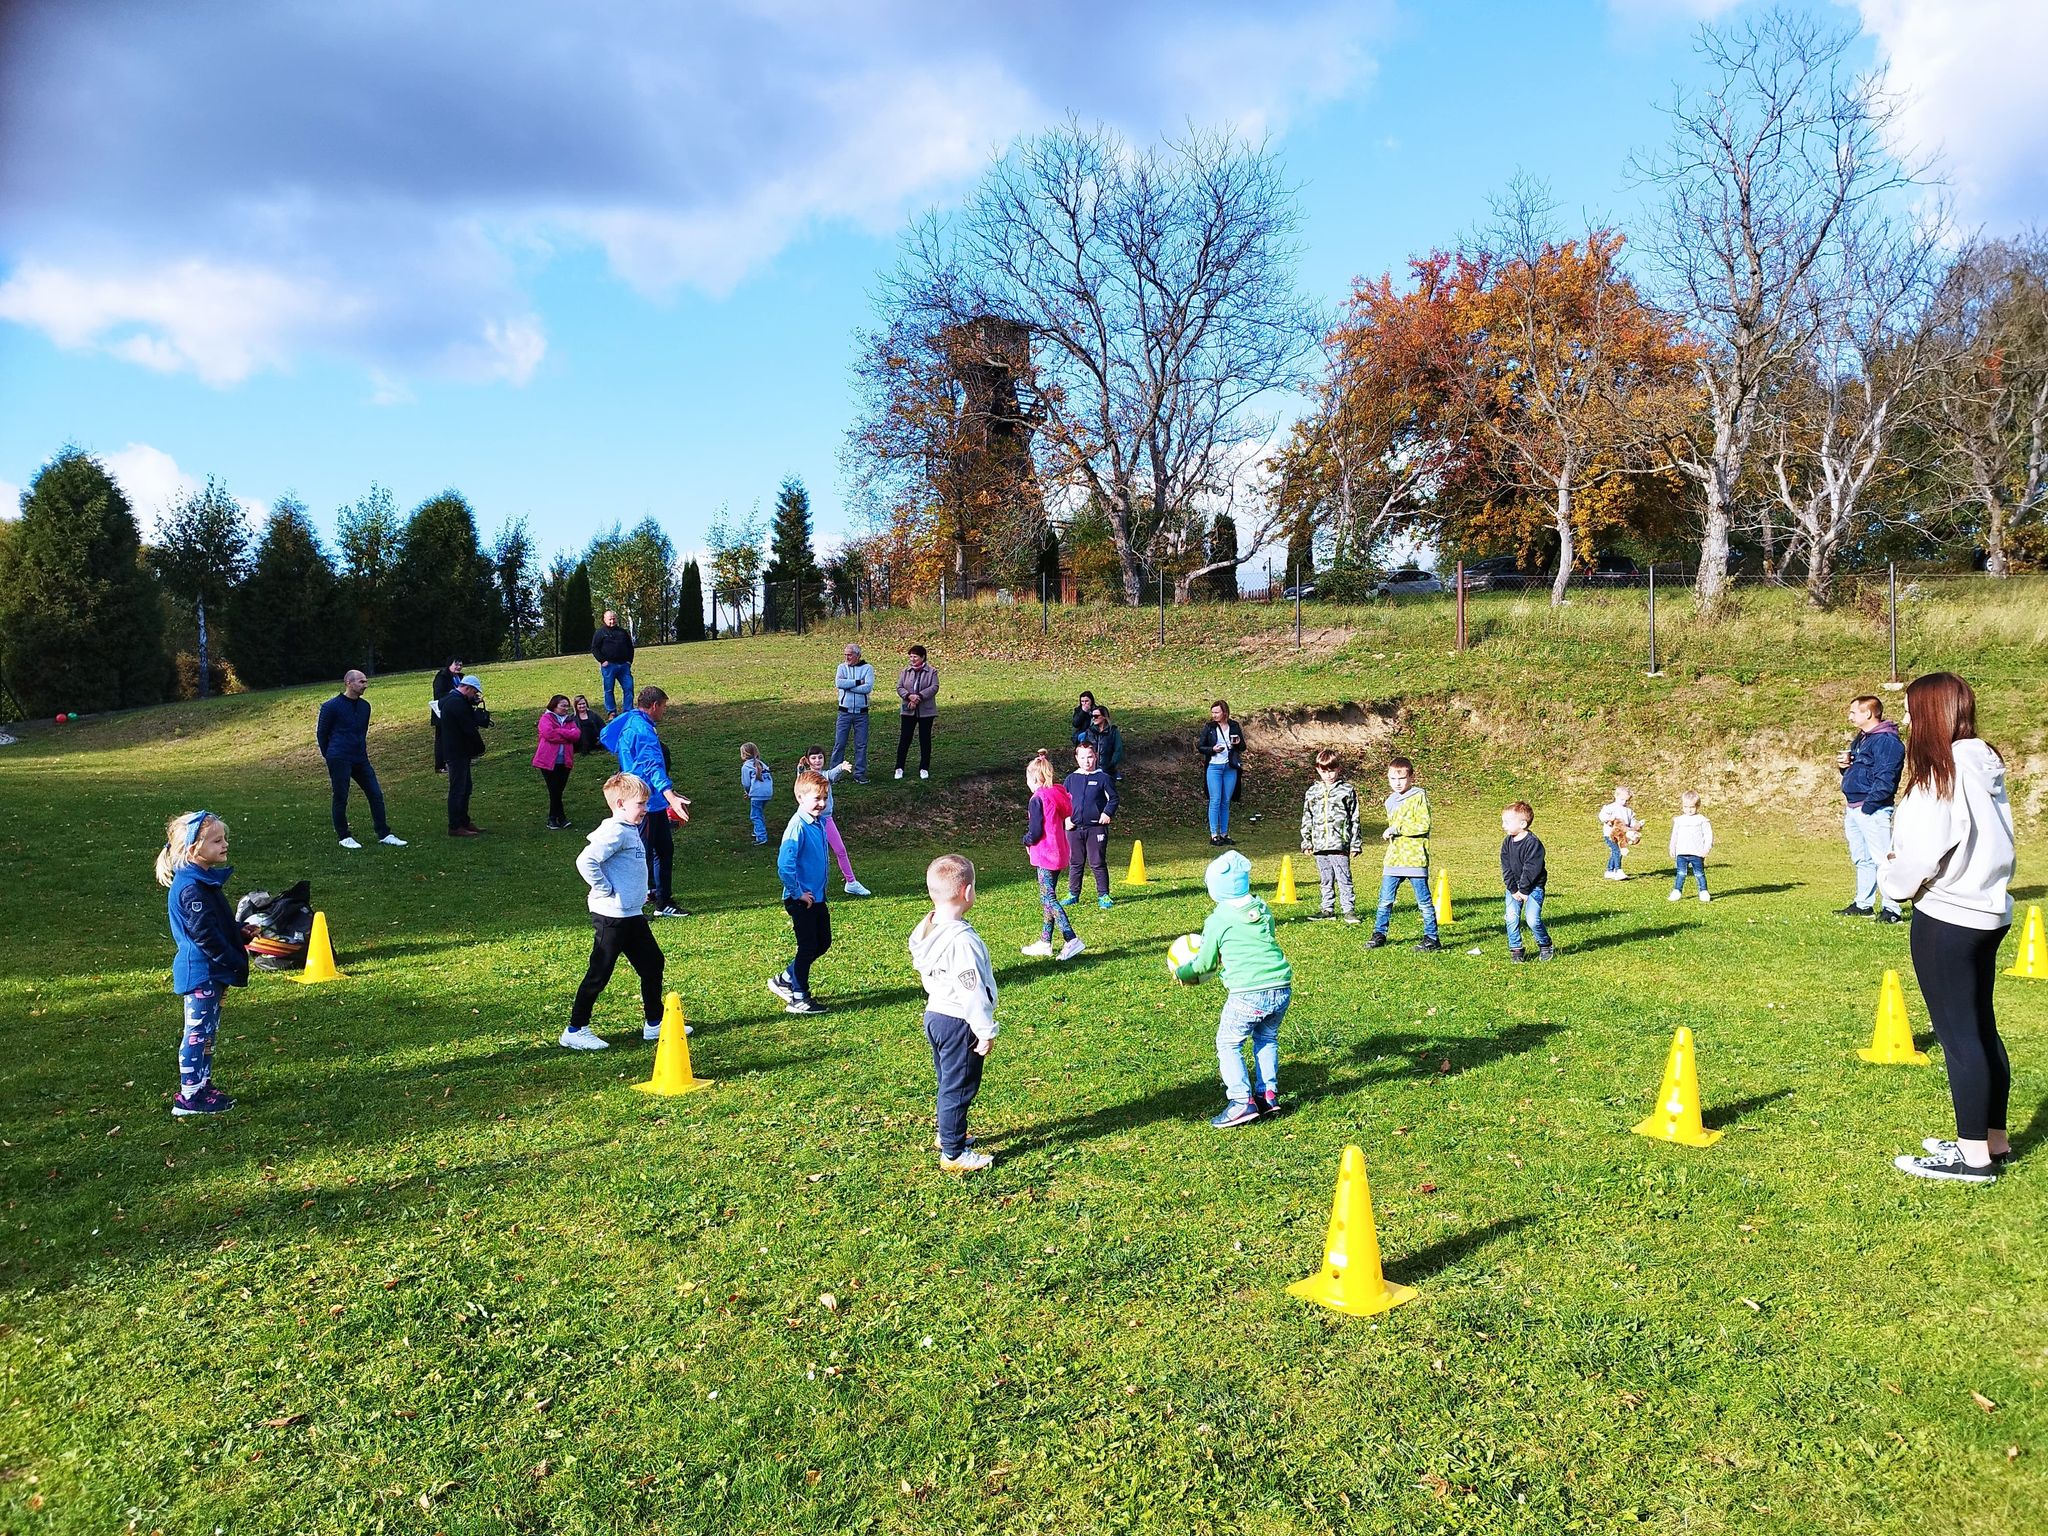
[[813, 926], [610, 938], [1956, 968], [1089, 844], [921, 725], [557, 780]]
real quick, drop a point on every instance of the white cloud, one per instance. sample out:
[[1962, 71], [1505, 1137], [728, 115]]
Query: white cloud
[[150, 478], [1970, 80], [10, 500]]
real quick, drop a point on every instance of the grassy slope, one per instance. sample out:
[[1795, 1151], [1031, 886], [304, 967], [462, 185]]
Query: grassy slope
[[437, 1274]]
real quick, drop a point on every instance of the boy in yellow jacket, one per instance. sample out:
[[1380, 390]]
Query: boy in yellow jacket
[[1407, 839]]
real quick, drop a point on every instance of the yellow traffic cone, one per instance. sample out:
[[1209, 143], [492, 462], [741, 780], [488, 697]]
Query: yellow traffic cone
[[1350, 1280], [1283, 893], [1891, 1042], [1135, 875], [319, 955], [2031, 963], [672, 1073], [1677, 1116], [1440, 896]]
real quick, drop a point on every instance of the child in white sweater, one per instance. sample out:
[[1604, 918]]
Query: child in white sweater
[[960, 1004], [1692, 839], [1622, 828]]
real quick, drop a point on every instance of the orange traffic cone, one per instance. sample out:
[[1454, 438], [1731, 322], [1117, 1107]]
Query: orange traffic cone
[[672, 1072], [1135, 875], [1891, 1042], [2031, 963], [1350, 1280], [1440, 896], [1283, 893], [319, 955], [1677, 1116]]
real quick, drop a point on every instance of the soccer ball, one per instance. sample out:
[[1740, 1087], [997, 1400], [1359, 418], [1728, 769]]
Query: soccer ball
[[1181, 951]]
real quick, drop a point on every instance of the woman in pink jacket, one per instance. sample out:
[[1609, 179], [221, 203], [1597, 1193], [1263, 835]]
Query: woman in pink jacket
[[554, 754], [1045, 844]]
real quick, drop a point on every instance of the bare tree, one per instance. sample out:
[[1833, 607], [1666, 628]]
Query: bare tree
[[1764, 167], [1989, 404]]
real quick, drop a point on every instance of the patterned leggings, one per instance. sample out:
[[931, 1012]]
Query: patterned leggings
[[1049, 904], [195, 1049]]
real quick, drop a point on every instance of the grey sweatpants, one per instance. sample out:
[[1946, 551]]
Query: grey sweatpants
[[1334, 871]]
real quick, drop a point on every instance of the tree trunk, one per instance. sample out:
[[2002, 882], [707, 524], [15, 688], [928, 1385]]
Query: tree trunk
[[1820, 574], [1567, 546], [204, 680], [1995, 563], [1710, 586]]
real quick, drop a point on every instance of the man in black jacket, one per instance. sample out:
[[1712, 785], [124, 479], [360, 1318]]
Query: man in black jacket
[[612, 648], [462, 720], [343, 736], [443, 681]]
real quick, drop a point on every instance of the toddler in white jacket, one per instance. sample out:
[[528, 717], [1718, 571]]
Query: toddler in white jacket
[[960, 1004], [1692, 839]]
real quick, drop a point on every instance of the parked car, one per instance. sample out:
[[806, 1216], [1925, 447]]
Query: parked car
[[1498, 573], [1615, 570], [1305, 591], [1407, 582]]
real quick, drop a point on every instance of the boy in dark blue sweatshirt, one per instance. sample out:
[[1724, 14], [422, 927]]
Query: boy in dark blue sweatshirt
[[1523, 873], [1092, 788]]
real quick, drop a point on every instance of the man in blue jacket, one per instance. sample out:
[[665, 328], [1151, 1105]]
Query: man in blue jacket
[[634, 737], [343, 734], [1870, 784]]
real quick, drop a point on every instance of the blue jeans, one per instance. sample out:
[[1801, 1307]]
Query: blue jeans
[[754, 809], [1390, 887], [195, 1046], [1694, 864], [340, 771], [957, 1064], [616, 672], [1613, 855], [1870, 839], [1253, 1016], [853, 724], [1222, 785], [1528, 909]]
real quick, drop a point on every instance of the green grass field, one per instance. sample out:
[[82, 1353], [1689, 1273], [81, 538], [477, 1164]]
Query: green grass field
[[436, 1274]]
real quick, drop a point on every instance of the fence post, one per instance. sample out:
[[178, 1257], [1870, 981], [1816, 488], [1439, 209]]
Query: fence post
[[1044, 607], [1892, 612], [1653, 620], [1459, 578], [1162, 605], [1269, 581], [1294, 581], [942, 602]]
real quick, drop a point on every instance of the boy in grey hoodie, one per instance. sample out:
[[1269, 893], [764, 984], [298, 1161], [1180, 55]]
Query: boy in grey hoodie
[[960, 1004], [613, 864]]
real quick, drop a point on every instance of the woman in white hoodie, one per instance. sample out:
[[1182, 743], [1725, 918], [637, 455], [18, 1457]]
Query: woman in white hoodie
[[1952, 857]]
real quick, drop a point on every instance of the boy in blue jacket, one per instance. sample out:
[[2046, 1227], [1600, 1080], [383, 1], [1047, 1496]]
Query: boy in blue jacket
[[1092, 788], [803, 863], [193, 867]]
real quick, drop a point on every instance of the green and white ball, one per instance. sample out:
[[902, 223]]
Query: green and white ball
[[1181, 951]]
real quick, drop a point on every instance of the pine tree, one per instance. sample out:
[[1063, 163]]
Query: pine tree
[[80, 623], [512, 568], [792, 564], [1222, 584], [579, 624], [369, 535], [552, 589], [690, 603], [444, 597], [200, 555], [288, 622]]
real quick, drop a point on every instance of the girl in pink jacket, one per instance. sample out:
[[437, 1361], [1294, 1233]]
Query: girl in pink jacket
[[1045, 843], [554, 754]]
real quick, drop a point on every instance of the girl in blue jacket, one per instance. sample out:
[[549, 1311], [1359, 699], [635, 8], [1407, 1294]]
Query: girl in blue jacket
[[194, 866]]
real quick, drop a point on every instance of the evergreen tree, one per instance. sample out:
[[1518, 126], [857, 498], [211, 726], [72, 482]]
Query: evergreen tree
[[553, 589], [579, 623], [1301, 552], [288, 622], [1049, 563], [1222, 584], [201, 554], [512, 567], [792, 564], [80, 624], [444, 594], [690, 603], [369, 534]]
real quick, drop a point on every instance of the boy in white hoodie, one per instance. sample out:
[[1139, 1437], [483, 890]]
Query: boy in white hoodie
[[1692, 839], [613, 864], [1621, 826], [960, 1004]]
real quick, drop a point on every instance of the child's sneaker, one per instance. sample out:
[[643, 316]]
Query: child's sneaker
[[940, 1146], [1068, 901], [670, 910], [1322, 917], [969, 1161], [1676, 895], [1072, 947], [1235, 1114], [1946, 1165], [205, 1100], [1942, 1146], [1428, 946], [1706, 895], [1267, 1103], [1353, 919], [350, 843], [1517, 956], [855, 888], [780, 986], [1546, 952], [583, 1040], [803, 1005], [1104, 902], [1039, 950], [652, 1032], [1377, 941]]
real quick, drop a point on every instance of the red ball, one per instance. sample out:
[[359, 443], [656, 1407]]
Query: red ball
[[60, 719]]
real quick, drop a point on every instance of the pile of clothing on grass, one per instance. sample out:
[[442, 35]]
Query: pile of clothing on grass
[[275, 928]]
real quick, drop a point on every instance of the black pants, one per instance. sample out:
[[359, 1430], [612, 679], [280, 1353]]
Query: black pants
[[434, 725], [660, 839], [1956, 968], [958, 1066], [922, 725], [557, 780], [813, 926], [1092, 844], [610, 938], [339, 772], [458, 792]]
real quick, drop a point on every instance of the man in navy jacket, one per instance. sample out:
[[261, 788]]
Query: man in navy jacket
[[343, 735], [1870, 784]]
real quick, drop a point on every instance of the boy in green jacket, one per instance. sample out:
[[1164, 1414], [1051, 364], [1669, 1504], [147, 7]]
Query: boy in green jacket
[[1239, 937], [1407, 837]]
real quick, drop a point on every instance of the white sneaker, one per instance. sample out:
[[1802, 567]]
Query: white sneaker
[[392, 840], [1706, 895], [350, 843], [855, 888], [653, 1031], [969, 1161], [1039, 951], [1674, 896], [924, 773], [899, 773], [1072, 947], [583, 1040], [1617, 874]]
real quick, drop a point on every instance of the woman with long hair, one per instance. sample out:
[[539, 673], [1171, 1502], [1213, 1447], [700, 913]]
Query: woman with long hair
[[1952, 857]]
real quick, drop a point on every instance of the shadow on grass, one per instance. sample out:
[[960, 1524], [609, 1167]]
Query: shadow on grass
[[1718, 1117], [2029, 892], [1426, 1264], [2036, 1131], [1628, 936], [1761, 890]]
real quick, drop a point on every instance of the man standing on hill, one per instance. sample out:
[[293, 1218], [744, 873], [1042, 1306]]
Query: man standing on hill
[[612, 647], [463, 718], [917, 685], [634, 736], [1870, 783], [855, 681], [343, 735]]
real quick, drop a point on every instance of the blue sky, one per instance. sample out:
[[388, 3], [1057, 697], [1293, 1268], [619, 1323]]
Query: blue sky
[[591, 263]]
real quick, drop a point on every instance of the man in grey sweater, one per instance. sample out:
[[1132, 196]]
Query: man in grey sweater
[[855, 681]]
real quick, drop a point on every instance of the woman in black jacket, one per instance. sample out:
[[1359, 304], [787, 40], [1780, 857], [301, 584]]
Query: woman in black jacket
[[1222, 752], [588, 723]]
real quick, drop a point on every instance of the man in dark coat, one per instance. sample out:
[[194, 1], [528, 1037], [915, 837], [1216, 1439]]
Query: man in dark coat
[[463, 718], [612, 648], [343, 735], [443, 681]]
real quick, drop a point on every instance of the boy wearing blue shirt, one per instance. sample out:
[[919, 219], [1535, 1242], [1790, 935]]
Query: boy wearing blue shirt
[[803, 863], [1093, 790]]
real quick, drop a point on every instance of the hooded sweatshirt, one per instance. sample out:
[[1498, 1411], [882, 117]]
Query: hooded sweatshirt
[[632, 736], [209, 944], [1952, 856], [1329, 818], [1239, 933], [613, 864], [1876, 760], [959, 978], [1408, 816]]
